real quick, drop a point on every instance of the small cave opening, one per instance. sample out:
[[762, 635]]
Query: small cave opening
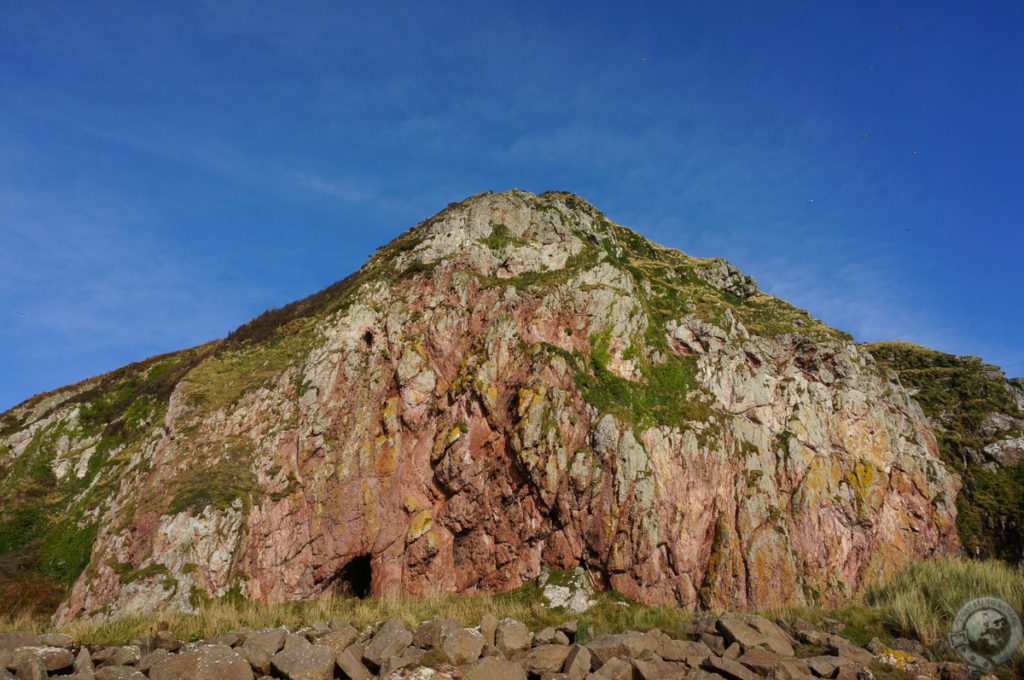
[[355, 578], [368, 338]]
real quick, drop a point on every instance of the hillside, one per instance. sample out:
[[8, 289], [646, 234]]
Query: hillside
[[513, 382]]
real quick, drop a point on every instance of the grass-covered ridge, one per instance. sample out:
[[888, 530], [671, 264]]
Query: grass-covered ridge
[[957, 394]]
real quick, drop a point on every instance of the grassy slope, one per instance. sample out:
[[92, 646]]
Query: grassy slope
[[956, 393]]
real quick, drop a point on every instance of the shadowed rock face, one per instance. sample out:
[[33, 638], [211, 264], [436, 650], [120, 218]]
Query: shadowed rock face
[[514, 382]]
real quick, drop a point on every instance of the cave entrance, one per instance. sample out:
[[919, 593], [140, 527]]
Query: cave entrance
[[354, 579]]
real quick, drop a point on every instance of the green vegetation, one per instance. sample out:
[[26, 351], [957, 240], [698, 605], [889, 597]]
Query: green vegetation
[[500, 237], [921, 599], [65, 551], [957, 393], [222, 379], [219, 482], [661, 398]]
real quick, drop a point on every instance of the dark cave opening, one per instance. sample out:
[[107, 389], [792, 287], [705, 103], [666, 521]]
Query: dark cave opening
[[368, 338], [355, 578]]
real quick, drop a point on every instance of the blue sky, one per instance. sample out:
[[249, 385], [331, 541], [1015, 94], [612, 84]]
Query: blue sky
[[170, 170]]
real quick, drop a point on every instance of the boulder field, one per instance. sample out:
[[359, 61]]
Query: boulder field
[[733, 647]]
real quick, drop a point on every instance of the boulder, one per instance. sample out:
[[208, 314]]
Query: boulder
[[55, 640], [660, 670], [577, 662], [761, 661], [826, 666], [304, 661], [791, 669], [433, 632], [629, 645], [351, 664], [511, 637], [54, 659], [153, 658], [227, 639], [11, 641], [389, 640], [410, 656], [713, 642], [463, 646], [123, 673], [615, 668], [733, 670], [30, 668], [124, 655], [693, 653], [493, 668], [849, 651], [545, 636], [270, 640], [776, 639], [735, 630], [256, 656], [83, 662], [338, 640], [212, 662], [488, 624], [544, 659]]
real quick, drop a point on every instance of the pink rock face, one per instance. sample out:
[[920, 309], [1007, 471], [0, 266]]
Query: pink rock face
[[517, 382]]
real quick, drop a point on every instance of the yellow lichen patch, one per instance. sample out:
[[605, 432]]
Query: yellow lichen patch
[[421, 523], [389, 414], [384, 461], [526, 399], [370, 504], [904, 661], [822, 478], [443, 440], [867, 483], [771, 574], [411, 504], [483, 385]]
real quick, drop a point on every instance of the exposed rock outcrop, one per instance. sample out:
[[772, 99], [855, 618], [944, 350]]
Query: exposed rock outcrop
[[512, 383], [978, 417]]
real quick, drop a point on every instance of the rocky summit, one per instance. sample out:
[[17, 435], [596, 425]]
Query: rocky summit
[[512, 383]]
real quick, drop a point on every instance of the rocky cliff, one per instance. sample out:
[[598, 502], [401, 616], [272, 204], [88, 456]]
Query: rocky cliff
[[977, 415], [513, 382]]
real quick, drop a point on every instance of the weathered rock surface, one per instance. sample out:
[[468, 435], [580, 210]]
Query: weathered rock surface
[[463, 646], [209, 662], [512, 383], [630, 655]]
